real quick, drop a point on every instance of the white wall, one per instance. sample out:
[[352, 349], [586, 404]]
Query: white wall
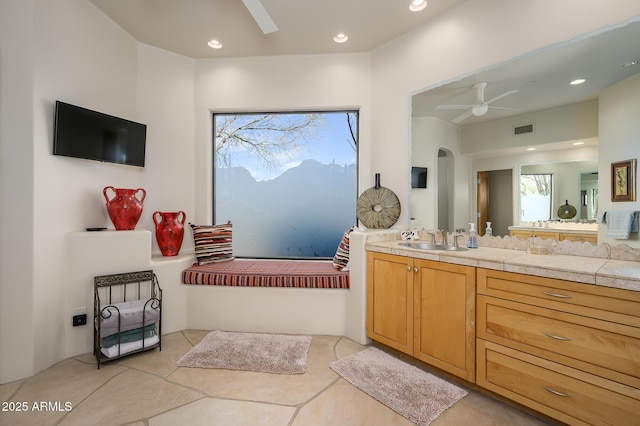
[[497, 137], [619, 141], [16, 189], [165, 94], [428, 136], [84, 59]]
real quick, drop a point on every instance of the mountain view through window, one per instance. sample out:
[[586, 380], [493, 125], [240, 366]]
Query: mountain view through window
[[286, 181]]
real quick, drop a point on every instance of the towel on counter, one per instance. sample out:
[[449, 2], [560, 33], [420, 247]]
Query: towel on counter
[[620, 223]]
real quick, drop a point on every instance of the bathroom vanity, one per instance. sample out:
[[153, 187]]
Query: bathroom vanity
[[557, 333]]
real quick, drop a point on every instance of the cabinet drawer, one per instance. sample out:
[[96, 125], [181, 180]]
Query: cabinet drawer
[[610, 304], [569, 395], [590, 238], [608, 349]]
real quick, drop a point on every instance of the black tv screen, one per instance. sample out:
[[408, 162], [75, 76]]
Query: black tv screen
[[83, 133], [418, 177]]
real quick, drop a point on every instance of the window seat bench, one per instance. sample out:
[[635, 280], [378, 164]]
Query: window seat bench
[[268, 273]]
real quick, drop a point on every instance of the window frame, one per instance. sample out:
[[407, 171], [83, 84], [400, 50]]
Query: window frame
[[213, 114]]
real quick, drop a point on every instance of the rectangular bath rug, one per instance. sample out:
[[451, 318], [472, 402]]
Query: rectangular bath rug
[[265, 353], [415, 394]]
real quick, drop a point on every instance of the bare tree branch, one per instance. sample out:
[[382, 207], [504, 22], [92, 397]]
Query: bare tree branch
[[272, 138]]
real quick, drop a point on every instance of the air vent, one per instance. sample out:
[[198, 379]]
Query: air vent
[[524, 129]]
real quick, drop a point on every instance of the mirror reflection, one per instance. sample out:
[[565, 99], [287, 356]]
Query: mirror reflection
[[564, 191], [552, 116]]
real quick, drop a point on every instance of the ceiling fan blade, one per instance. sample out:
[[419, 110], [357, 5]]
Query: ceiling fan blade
[[461, 117], [261, 16], [504, 95], [440, 107], [505, 109]]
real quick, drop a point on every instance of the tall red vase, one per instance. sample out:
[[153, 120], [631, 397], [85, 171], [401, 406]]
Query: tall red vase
[[169, 231], [124, 208]]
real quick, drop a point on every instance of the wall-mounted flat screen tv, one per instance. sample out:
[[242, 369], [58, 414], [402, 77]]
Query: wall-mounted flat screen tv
[[92, 135], [418, 177]]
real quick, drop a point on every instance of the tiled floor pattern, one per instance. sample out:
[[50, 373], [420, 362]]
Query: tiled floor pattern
[[148, 389]]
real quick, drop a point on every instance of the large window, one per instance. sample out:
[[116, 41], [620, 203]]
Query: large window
[[287, 181], [535, 196]]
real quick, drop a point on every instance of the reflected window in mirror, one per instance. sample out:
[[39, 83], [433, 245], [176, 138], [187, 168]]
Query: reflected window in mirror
[[535, 197]]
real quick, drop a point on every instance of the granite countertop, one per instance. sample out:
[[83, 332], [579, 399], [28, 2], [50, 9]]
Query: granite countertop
[[588, 270]]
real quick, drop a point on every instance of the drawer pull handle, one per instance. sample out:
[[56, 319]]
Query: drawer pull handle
[[409, 268], [553, 336], [555, 392], [415, 269], [560, 296]]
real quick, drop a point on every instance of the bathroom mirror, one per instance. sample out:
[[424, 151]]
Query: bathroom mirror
[[529, 84]]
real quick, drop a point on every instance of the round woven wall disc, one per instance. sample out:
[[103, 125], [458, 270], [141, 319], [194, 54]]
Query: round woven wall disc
[[378, 208], [566, 211]]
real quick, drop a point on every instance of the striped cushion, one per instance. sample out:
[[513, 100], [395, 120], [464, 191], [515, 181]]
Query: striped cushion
[[341, 259], [267, 273], [212, 243]]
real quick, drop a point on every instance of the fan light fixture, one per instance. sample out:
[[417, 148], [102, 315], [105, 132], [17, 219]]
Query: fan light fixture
[[215, 44], [340, 38], [417, 5], [480, 110]]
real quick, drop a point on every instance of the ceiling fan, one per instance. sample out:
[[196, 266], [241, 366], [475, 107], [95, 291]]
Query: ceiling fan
[[261, 16], [480, 107]]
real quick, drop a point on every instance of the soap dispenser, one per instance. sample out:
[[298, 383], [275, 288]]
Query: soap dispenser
[[489, 231], [473, 241]]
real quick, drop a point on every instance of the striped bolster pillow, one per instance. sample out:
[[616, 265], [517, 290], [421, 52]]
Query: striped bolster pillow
[[341, 259]]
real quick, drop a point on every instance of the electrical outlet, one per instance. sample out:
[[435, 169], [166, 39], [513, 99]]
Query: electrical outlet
[[79, 320]]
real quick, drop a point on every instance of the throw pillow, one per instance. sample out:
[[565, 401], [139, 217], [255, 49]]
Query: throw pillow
[[341, 259], [212, 243]]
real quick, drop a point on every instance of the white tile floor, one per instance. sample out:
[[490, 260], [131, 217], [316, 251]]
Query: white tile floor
[[148, 389]]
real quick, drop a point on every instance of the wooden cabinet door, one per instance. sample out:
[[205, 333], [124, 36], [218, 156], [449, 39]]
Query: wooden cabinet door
[[579, 237], [444, 310], [390, 300], [547, 235], [521, 234]]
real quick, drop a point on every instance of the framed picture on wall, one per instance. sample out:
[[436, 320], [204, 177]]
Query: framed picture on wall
[[623, 180]]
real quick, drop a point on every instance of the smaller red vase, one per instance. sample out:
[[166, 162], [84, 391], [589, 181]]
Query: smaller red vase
[[124, 208], [169, 231]]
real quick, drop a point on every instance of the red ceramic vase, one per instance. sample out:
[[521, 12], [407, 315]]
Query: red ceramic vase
[[124, 208], [169, 231]]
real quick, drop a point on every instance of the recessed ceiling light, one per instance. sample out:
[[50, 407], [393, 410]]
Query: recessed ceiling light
[[578, 81], [340, 38], [417, 5], [214, 44], [531, 149], [578, 143], [630, 63]]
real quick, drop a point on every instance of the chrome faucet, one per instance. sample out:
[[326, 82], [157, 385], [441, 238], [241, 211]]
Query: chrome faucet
[[444, 236]]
